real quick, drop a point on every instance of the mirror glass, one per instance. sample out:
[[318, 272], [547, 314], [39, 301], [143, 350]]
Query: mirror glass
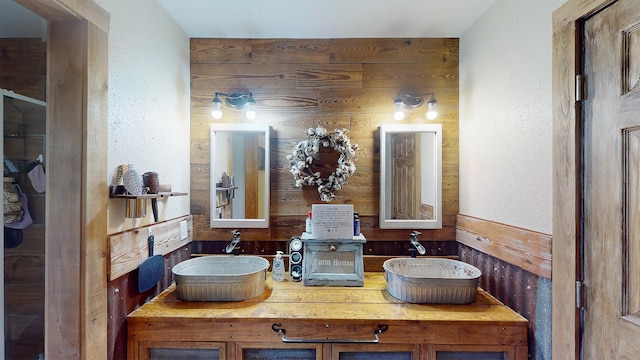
[[239, 176], [411, 176]]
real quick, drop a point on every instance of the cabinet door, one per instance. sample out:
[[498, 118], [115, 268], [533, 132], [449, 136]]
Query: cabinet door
[[182, 350], [280, 351], [375, 351], [471, 352]]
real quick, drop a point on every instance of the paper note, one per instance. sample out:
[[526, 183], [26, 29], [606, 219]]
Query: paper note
[[332, 221]]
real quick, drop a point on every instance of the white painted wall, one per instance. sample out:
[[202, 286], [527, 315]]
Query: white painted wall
[[148, 103], [505, 115]]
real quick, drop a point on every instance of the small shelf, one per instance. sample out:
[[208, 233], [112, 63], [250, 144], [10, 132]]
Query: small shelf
[[226, 188], [136, 205], [119, 193], [148, 196]]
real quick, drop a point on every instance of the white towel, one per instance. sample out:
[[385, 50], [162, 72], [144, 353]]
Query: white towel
[[38, 178]]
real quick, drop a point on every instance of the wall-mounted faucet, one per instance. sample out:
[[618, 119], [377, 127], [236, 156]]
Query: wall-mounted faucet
[[416, 244], [233, 245]]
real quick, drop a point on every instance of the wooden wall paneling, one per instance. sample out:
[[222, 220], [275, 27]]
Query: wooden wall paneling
[[339, 83], [329, 76], [27, 85], [527, 249], [357, 100], [23, 56], [220, 51], [23, 66], [414, 50], [287, 100], [129, 248], [409, 77], [291, 51], [288, 129], [247, 77]]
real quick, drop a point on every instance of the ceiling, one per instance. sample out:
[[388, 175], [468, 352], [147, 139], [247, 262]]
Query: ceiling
[[297, 19], [325, 19]]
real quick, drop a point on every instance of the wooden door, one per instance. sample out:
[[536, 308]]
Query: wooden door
[[611, 183], [405, 195]]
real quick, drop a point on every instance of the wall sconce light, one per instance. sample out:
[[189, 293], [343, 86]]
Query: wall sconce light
[[240, 101], [403, 101]]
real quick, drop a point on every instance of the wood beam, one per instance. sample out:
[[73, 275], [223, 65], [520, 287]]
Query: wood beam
[[76, 197], [66, 10]]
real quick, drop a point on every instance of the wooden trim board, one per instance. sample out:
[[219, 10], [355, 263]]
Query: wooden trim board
[[527, 249], [129, 248]]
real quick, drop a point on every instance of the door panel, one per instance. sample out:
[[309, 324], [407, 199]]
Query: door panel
[[611, 182], [405, 192]]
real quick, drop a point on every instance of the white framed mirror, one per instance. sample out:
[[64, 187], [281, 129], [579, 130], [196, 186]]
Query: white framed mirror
[[411, 176], [239, 176]]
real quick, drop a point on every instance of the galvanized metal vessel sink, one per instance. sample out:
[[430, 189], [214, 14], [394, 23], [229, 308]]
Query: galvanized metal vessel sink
[[220, 278], [431, 280]]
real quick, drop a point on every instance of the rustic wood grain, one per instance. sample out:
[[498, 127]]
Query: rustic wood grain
[[416, 50], [338, 84], [220, 51], [524, 248], [64, 298], [329, 76], [292, 51], [129, 248], [608, 226], [329, 313], [93, 211], [243, 77], [75, 294], [565, 176], [409, 78]]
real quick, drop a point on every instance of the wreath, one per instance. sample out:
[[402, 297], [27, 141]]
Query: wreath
[[306, 151]]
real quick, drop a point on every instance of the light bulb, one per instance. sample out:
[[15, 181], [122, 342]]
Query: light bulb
[[398, 114], [432, 113], [217, 104], [250, 113]]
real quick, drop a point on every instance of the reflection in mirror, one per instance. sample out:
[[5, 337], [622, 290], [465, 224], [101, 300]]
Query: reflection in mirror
[[411, 176], [239, 176]]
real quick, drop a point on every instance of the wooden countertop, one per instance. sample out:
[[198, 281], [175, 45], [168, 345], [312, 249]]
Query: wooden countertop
[[294, 301]]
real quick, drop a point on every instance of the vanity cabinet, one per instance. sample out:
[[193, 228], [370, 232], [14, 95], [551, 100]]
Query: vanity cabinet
[[292, 321]]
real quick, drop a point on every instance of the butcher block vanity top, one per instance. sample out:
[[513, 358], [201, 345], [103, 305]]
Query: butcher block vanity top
[[290, 315]]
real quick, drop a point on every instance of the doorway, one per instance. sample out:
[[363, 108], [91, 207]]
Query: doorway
[[23, 254]]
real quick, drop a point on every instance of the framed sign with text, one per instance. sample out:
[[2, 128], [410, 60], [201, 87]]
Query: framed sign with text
[[333, 262]]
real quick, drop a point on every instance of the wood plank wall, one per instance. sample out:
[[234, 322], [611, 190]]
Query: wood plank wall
[[23, 70], [336, 83]]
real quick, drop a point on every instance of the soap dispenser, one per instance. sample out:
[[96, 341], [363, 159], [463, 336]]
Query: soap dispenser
[[277, 272]]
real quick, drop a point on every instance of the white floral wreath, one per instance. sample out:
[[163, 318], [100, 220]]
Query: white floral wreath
[[303, 154]]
